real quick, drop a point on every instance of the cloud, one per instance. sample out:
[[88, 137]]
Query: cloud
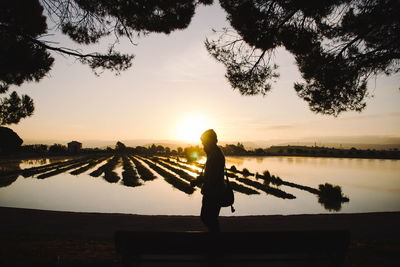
[[260, 124], [264, 125], [192, 64], [373, 116], [281, 127]]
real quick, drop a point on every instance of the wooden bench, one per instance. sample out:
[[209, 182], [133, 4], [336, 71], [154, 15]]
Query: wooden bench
[[297, 248]]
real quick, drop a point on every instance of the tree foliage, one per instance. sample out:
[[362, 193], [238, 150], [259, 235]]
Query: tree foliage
[[120, 147], [57, 149], [20, 59], [24, 51], [14, 108], [337, 45]]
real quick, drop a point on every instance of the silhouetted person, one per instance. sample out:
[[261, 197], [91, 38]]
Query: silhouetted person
[[212, 181]]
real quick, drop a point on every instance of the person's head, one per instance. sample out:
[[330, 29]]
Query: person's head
[[209, 139]]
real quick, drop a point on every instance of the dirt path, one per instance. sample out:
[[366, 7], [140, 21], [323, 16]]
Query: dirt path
[[70, 238]]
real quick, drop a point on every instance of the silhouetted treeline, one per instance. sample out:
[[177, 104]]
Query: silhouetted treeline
[[310, 151], [316, 151], [58, 150], [192, 153]]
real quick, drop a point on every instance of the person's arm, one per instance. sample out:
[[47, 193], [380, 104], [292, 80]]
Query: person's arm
[[198, 181]]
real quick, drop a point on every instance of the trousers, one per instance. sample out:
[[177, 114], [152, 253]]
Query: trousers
[[210, 209]]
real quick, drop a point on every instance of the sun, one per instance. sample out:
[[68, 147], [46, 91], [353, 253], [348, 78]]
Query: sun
[[191, 128]]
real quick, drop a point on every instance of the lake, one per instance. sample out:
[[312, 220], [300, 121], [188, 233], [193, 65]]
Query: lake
[[372, 185]]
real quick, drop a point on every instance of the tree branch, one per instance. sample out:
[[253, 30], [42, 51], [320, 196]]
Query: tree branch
[[66, 51], [348, 45], [128, 34], [258, 61], [287, 18]]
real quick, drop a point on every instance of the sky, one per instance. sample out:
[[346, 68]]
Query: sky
[[175, 90]]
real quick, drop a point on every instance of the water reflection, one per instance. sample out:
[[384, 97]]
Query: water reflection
[[40, 161], [259, 159], [89, 166], [307, 181], [170, 178], [9, 173], [329, 196], [174, 168], [144, 173], [266, 188], [57, 170], [49, 167], [179, 169], [236, 160], [10, 170]]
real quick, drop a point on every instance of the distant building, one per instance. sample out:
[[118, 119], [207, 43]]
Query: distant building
[[74, 147]]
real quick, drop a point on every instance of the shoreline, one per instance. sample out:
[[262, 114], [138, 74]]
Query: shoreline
[[314, 156], [46, 238]]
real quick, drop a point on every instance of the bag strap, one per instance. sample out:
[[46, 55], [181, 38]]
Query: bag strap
[[227, 182]]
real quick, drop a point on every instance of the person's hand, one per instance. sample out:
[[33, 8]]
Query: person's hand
[[197, 181]]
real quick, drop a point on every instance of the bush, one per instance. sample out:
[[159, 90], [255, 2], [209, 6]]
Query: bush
[[331, 197], [246, 172]]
